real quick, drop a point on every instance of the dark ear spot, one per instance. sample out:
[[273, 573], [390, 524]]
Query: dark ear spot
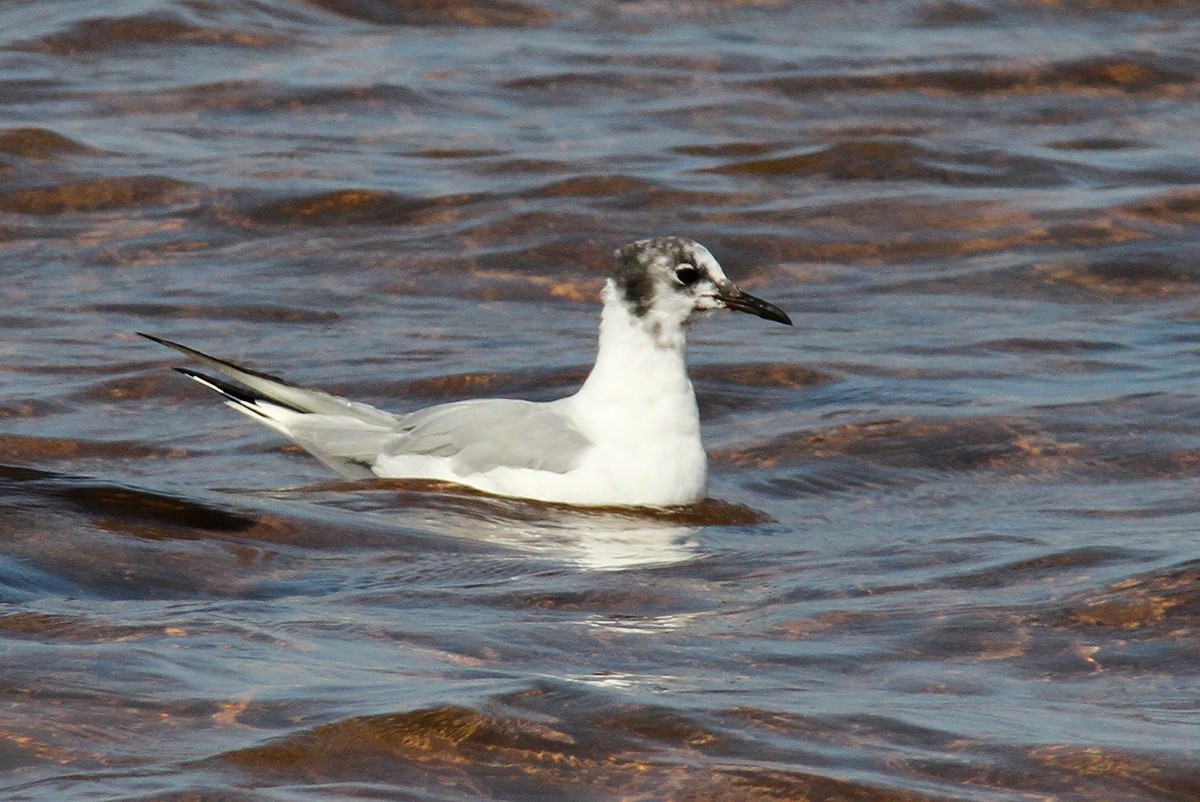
[[632, 277]]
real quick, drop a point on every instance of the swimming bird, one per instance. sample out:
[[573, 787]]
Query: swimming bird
[[629, 436]]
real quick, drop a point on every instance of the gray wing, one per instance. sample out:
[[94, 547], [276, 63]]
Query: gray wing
[[490, 433]]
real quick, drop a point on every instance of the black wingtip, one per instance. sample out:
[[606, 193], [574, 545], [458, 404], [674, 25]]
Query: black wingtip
[[235, 392], [214, 362], [228, 389], [168, 343]]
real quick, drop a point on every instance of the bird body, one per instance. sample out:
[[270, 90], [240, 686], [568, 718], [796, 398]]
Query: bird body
[[629, 436]]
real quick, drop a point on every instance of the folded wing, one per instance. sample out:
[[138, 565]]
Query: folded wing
[[357, 440], [479, 436]]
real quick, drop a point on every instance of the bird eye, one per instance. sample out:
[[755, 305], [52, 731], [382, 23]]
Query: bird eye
[[687, 274]]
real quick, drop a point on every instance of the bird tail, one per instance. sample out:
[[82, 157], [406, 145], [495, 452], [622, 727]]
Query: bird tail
[[344, 435]]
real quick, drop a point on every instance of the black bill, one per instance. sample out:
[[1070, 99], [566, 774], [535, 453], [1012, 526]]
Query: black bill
[[733, 298]]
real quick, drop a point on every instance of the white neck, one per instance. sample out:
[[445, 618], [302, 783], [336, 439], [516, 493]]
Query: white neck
[[640, 361], [638, 409]]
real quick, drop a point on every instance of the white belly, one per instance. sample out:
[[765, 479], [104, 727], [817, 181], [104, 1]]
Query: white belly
[[665, 473]]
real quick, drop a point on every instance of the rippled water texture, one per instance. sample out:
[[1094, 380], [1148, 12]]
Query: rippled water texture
[[953, 545]]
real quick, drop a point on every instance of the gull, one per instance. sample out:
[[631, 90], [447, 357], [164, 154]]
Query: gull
[[630, 436]]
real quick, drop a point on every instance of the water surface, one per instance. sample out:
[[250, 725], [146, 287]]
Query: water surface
[[951, 550]]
